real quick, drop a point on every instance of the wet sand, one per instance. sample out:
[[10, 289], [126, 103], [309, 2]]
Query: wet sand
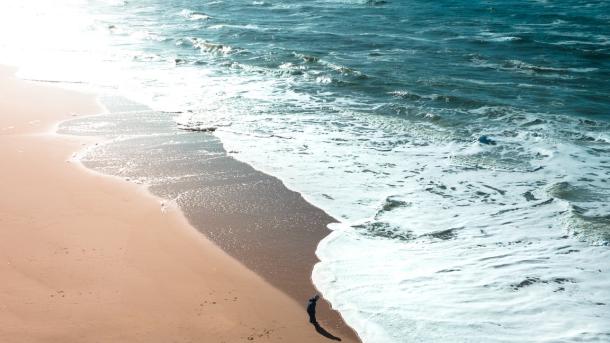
[[249, 214], [89, 258]]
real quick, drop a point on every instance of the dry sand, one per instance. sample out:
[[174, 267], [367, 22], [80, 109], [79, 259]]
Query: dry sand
[[91, 258]]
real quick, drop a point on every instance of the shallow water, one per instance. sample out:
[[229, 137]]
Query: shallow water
[[376, 111]]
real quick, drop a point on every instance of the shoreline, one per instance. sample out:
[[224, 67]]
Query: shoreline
[[249, 214], [91, 257]]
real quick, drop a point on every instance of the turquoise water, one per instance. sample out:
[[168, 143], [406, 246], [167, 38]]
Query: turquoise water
[[535, 56], [464, 145]]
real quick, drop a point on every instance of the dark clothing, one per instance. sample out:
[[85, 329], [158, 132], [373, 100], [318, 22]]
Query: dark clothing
[[311, 309]]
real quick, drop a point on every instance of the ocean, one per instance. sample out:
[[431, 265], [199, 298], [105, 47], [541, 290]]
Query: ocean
[[464, 146]]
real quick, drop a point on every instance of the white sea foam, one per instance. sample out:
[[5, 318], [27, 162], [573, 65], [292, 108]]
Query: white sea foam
[[193, 15], [464, 256]]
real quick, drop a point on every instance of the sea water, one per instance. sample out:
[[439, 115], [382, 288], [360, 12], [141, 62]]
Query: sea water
[[464, 146]]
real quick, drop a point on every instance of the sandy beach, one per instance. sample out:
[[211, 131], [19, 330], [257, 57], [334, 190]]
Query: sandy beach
[[91, 258]]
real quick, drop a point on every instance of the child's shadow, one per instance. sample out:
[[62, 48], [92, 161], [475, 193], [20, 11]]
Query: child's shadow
[[324, 333]]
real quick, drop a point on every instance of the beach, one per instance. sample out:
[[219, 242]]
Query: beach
[[436, 172], [92, 258]]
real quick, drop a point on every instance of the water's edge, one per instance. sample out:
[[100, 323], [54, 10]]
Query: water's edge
[[287, 228]]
